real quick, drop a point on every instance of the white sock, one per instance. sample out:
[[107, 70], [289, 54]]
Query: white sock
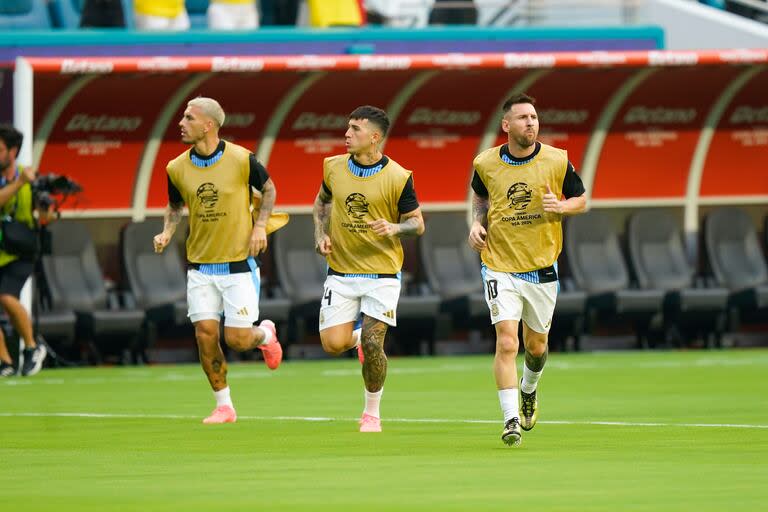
[[356, 335], [223, 398], [267, 336], [530, 380], [510, 404], [372, 401]]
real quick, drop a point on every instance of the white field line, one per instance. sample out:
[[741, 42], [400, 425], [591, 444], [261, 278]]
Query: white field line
[[386, 420], [238, 371]]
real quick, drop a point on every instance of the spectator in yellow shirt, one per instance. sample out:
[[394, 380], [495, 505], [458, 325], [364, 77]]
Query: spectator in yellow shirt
[[170, 15]]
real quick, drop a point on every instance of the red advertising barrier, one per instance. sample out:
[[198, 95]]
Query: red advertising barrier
[[736, 164], [81, 65], [314, 129], [569, 105], [634, 138], [439, 130], [648, 150], [249, 102], [101, 135]]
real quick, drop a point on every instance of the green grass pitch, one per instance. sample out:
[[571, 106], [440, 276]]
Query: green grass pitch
[[639, 431]]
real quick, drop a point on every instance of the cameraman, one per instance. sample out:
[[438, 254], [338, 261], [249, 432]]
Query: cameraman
[[16, 203]]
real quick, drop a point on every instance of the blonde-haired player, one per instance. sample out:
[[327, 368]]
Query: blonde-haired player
[[215, 179]]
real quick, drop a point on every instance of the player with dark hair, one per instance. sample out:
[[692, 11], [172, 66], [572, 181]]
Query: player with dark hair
[[365, 203], [517, 215]]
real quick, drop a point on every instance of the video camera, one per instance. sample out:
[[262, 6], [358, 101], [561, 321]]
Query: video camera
[[46, 186]]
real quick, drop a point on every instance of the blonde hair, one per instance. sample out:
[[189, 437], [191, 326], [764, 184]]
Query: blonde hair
[[210, 107]]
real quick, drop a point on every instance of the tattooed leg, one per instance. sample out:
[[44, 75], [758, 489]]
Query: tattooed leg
[[536, 348], [375, 364], [211, 356], [536, 363]]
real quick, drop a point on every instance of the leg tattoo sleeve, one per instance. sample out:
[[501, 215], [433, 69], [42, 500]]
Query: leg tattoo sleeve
[[375, 365]]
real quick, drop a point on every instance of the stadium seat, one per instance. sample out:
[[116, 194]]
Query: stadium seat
[[158, 281], [598, 267], [569, 318], [24, 14], [453, 271], [451, 266], [53, 320], [765, 234], [736, 259], [74, 280], [197, 11], [658, 257], [300, 270], [418, 306]]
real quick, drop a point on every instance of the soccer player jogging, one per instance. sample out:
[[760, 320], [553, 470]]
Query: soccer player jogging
[[517, 214], [215, 179], [365, 203]]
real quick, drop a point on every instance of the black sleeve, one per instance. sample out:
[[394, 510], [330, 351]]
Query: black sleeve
[[572, 185], [408, 201], [258, 175], [478, 186], [174, 196], [326, 189]]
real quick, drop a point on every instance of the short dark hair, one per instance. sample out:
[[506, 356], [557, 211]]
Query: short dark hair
[[11, 136], [518, 98], [373, 114]]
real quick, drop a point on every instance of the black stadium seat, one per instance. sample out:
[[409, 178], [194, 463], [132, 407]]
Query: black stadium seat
[[736, 259], [75, 282], [300, 269], [453, 271], [158, 281], [451, 266], [658, 256], [598, 267]]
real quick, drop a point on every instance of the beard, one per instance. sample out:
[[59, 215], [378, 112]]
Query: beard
[[525, 140]]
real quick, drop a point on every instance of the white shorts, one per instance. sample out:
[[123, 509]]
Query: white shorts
[[512, 298], [344, 298], [222, 16], [236, 295], [148, 22]]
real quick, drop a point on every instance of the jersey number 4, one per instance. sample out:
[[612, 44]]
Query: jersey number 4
[[327, 296]]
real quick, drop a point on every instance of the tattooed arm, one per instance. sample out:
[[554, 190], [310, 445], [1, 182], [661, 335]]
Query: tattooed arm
[[321, 214], [171, 220], [411, 224], [258, 241], [477, 232]]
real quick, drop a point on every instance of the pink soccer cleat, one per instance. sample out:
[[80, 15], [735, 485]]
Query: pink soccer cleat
[[222, 414], [273, 351], [370, 423], [360, 354]]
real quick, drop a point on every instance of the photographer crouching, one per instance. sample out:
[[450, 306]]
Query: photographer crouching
[[18, 248]]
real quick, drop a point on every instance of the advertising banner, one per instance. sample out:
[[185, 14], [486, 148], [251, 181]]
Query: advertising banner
[[648, 149], [249, 101], [314, 128], [737, 162], [101, 134]]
